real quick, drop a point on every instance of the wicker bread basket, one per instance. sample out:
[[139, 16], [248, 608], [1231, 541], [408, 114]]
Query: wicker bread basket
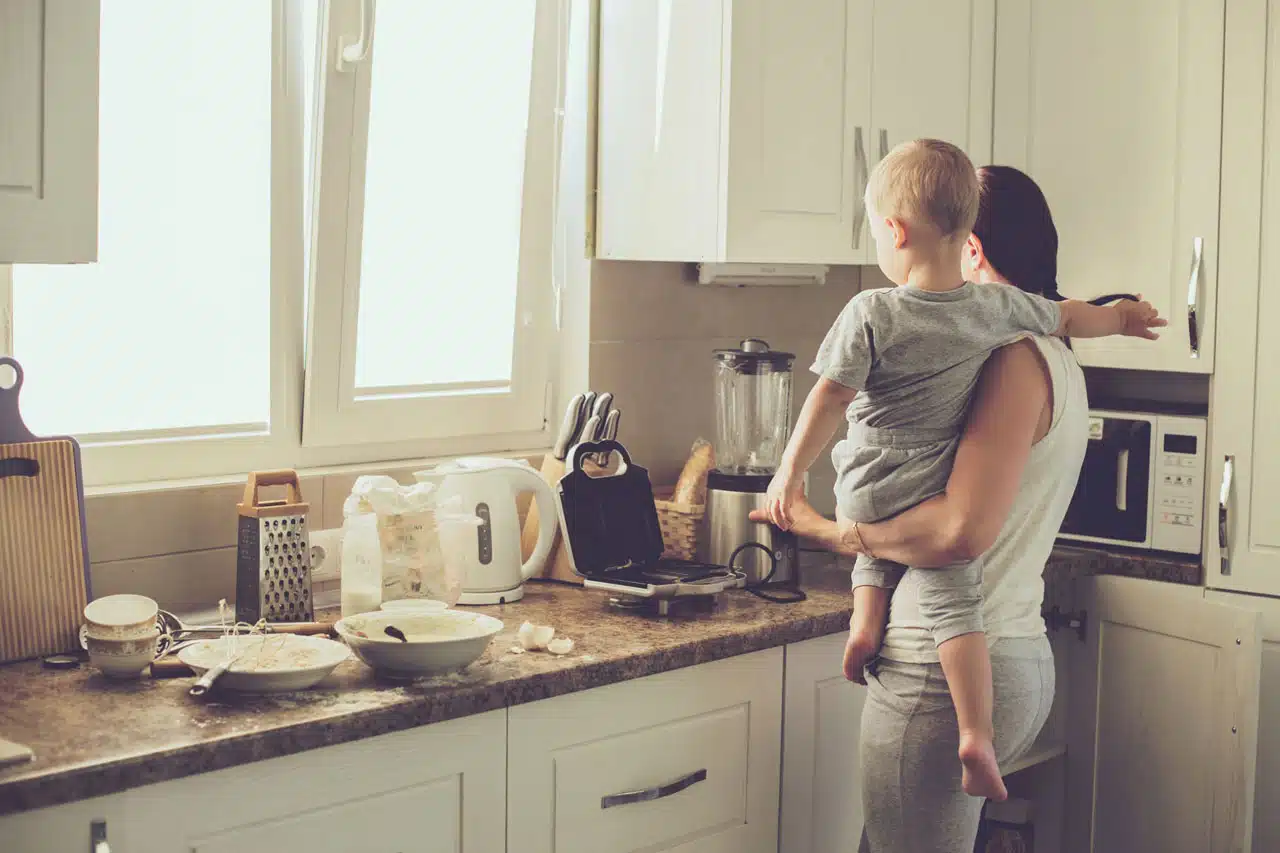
[[681, 526]]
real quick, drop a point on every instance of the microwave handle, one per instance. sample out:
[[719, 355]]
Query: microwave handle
[[1122, 481]]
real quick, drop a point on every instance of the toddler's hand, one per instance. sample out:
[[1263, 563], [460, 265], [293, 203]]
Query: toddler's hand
[[783, 491], [1139, 318]]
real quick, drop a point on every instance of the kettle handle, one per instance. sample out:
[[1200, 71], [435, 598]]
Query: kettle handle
[[527, 480]]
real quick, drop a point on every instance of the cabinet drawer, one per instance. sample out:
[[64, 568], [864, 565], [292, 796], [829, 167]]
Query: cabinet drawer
[[423, 818], [696, 770], [683, 761]]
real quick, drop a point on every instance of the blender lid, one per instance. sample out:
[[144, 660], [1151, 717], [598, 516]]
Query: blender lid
[[754, 356]]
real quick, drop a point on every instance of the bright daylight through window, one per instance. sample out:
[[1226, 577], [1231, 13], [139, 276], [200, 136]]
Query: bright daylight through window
[[410, 256]]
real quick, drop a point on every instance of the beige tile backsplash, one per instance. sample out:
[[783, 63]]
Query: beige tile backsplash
[[652, 333]]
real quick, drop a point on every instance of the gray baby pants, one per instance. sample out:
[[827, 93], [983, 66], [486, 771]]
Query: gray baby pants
[[886, 472]]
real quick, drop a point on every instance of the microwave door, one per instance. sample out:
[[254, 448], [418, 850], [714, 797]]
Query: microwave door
[[1111, 500]]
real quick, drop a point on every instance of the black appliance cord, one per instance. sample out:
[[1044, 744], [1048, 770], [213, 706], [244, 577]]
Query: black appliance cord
[[790, 594]]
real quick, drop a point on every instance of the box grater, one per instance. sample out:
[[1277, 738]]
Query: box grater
[[273, 560]]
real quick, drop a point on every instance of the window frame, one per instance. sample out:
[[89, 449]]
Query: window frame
[[190, 455], [335, 412]]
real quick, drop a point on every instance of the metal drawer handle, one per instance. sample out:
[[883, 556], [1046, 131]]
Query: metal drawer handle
[[98, 837], [656, 793], [862, 176], [1193, 296], [884, 143], [1224, 496]]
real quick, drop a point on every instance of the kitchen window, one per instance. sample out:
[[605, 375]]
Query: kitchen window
[[305, 261]]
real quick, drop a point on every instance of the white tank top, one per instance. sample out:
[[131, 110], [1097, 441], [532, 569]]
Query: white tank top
[[1012, 579]]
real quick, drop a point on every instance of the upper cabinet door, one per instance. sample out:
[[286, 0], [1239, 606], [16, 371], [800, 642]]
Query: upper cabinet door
[[1242, 548], [1115, 109], [799, 132], [49, 131], [745, 130], [1163, 727]]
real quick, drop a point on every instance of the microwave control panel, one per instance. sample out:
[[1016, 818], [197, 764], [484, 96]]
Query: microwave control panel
[[1177, 488]]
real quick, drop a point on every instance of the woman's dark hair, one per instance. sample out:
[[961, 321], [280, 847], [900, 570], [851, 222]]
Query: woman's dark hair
[[1017, 232]]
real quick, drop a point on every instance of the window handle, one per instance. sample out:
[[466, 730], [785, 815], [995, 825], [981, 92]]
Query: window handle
[[351, 53]]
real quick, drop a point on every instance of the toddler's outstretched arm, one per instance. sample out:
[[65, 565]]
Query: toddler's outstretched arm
[[1129, 318], [821, 416]]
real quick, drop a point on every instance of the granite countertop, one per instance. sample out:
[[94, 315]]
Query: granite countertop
[[93, 737]]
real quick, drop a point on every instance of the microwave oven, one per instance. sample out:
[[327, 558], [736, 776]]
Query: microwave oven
[[1142, 482]]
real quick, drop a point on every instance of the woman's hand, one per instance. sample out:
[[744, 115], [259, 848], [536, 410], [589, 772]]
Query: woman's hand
[[809, 523]]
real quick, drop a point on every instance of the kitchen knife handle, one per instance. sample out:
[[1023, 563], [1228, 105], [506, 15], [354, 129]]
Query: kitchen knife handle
[[657, 792]]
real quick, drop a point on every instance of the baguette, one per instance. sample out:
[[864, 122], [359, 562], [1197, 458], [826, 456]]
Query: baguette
[[691, 488]]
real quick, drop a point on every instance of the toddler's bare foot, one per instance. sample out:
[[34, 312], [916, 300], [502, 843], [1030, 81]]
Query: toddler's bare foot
[[858, 652], [981, 777]]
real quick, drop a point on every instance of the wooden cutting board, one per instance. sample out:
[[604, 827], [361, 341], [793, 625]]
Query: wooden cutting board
[[44, 553]]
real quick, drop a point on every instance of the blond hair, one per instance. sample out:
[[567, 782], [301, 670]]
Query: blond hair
[[926, 182]]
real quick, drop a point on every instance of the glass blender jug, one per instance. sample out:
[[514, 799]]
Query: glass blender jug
[[753, 423]]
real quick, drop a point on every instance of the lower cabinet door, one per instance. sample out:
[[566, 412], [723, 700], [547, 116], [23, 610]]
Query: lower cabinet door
[[73, 828], [821, 784], [429, 790], [683, 761]]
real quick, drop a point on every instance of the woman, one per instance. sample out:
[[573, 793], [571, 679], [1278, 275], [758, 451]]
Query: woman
[[1013, 477]]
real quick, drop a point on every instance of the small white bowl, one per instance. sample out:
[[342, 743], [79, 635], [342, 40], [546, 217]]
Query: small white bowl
[[439, 642], [414, 605], [123, 658], [121, 617]]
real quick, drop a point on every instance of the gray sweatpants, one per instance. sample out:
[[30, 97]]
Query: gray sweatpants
[[911, 794], [886, 472]]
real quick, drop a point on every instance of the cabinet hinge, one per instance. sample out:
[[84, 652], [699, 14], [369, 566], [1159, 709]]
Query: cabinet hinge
[[1055, 619]]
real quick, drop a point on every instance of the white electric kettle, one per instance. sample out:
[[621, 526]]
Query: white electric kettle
[[492, 569]]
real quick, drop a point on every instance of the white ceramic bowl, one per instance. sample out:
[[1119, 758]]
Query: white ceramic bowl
[[121, 617], [439, 642], [123, 658], [414, 605], [271, 663]]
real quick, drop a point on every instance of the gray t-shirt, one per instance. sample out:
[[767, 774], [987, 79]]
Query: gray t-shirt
[[915, 355]]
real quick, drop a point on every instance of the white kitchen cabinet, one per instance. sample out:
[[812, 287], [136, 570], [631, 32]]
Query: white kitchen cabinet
[[683, 761], [70, 828], [821, 780], [744, 130], [49, 131], [434, 789], [1266, 817], [1115, 109], [1243, 524], [1163, 721]]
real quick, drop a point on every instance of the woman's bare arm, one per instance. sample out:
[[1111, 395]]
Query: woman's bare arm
[[1008, 417]]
